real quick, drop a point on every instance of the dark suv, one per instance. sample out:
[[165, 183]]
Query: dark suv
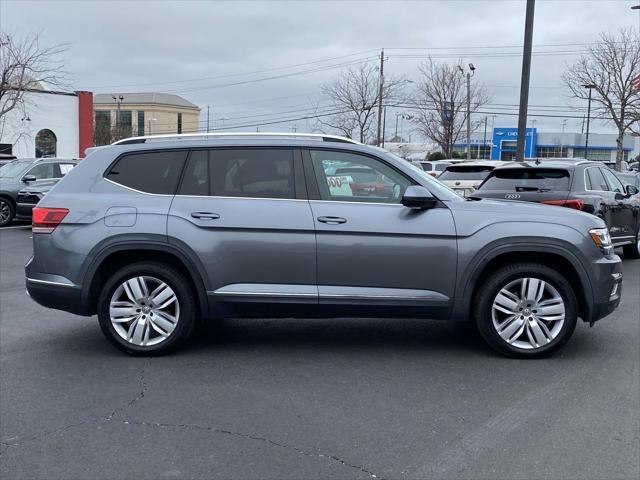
[[155, 233], [582, 185]]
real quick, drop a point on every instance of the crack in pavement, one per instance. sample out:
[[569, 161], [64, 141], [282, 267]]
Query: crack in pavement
[[253, 437], [18, 441]]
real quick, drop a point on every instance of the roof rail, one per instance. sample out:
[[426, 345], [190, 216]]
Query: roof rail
[[203, 136]]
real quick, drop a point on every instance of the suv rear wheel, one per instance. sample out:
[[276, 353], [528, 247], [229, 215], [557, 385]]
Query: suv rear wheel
[[147, 309], [633, 250], [526, 310]]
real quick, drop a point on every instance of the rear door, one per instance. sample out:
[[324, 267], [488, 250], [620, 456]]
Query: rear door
[[244, 213], [371, 249]]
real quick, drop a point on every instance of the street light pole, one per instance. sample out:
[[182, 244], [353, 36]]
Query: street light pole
[[118, 101], [524, 82], [484, 140], [589, 86], [380, 95], [469, 74], [564, 124]]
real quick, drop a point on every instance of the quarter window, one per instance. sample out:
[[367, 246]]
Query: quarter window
[[65, 168], [151, 172], [351, 177]]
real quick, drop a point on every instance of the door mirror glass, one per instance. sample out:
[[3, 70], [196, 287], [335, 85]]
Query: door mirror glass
[[418, 197], [632, 190], [29, 178]]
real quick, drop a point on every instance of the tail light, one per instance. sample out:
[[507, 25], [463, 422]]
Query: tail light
[[45, 220], [576, 204]]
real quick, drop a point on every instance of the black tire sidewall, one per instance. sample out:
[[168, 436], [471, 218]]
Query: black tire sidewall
[[496, 281], [632, 251], [178, 284], [12, 212]]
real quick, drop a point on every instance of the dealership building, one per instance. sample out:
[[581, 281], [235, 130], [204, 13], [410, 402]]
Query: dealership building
[[500, 144]]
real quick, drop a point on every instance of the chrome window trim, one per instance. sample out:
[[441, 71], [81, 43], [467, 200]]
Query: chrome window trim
[[49, 282], [585, 181]]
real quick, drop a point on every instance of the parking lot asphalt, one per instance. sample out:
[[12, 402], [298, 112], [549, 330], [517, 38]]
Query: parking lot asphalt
[[289, 399]]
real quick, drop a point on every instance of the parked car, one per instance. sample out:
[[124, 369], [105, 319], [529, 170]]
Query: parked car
[[15, 175], [582, 185], [29, 197], [464, 178], [630, 178], [434, 168], [250, 226]]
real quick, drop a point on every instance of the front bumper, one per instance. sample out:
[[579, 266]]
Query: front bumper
[[607, 287]]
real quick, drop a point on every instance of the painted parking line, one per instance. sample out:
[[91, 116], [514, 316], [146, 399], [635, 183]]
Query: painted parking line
[[15, 227]]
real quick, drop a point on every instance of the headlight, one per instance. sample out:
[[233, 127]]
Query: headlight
[[602, 239]]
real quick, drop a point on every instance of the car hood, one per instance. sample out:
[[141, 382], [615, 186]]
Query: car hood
[[9, 184], [474, 215]]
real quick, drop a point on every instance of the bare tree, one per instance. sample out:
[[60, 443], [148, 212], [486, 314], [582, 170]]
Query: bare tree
[[439, 100], [26, 66], [354, 98], [610, 68]]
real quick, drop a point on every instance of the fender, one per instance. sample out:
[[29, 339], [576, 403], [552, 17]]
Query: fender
[[146, 242], [467, 279]]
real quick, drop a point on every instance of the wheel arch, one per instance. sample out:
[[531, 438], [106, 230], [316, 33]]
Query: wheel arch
[[557, 257], [113, 257]]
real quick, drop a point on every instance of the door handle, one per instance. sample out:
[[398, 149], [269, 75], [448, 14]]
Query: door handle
[[205, 215], [332, 220]]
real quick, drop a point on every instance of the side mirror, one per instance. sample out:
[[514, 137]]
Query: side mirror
[[632, 190], [29, 178], [418, 197]]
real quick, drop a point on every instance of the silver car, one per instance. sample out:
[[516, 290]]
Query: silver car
[[154, 233]]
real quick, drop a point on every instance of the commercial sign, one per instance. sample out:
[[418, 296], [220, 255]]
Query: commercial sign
[[505, 139]]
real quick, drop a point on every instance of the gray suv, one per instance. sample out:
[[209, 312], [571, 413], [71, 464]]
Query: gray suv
[[153, 234]]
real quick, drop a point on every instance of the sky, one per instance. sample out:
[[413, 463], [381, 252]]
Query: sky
[[260, 62]]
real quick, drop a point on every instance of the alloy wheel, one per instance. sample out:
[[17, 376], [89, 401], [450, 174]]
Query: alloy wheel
[[144, 311], [528, 313], [5, 212]]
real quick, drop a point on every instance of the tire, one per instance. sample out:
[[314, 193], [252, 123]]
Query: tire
[[7, 212], [545, 316], [163, 325], [633, 250]]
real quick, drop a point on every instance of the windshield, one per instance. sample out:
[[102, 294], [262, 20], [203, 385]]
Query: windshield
[[527, 179], [15, 168], [468, 172]]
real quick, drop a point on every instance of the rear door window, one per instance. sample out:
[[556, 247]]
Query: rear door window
[[150, 172], [528, 179], [252, 173], [65, 168], [466, 173], [595, 180]]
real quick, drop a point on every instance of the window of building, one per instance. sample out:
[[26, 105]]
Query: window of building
[[356, 178], [151, 172], [46, 143], [102, 128], [552, 152], [597, 155], [125, 127], [140, 122], [179, 123], [6, 149]]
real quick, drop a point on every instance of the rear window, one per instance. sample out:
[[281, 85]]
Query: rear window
[[527, 179], [466, 173], [150, 172]]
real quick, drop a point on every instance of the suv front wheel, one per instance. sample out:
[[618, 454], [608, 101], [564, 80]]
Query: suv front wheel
[[147, 309], [526, 310]]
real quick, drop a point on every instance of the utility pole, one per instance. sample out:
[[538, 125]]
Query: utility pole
[[380, 94], [207, 118], [384, 124], [524, 82], [589, 86], [564, 124], [470, 73], [484, 141]]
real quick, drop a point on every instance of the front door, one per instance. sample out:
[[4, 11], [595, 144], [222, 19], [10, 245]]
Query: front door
[[624, 210], [243, 214], [371, 249]]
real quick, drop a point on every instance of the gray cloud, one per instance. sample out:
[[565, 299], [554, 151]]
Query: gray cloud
[[142, 43]]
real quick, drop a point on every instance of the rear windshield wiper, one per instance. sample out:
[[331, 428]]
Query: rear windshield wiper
[[532, 189]]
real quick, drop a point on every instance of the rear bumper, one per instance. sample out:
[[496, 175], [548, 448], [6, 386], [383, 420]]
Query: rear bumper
[[24, 211], [607, 287], [57, 296]]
